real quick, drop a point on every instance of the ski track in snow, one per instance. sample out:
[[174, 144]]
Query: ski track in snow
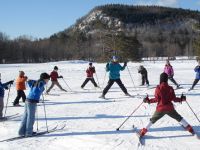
[[91, 121]]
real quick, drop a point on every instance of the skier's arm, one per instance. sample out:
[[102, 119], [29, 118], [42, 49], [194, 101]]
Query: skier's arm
[[107, 67], [155, 99]]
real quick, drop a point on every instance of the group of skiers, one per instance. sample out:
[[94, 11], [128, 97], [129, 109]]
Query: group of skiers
[[164, 94]]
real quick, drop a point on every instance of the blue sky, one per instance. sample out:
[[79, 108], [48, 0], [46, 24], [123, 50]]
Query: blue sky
[[42, 18]]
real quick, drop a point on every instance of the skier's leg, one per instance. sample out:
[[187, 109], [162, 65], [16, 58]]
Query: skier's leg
[[85, 82], [19, 95], [23, 96], [194, 83], [121, 85], [143, 79], [93, 81], [60, 87], [1, 107], [146, 78], [52, 85], [173, 81], [110, 83], [174, 114], [22, 129]]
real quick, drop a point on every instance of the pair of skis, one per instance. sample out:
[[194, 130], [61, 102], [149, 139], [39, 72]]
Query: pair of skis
[[54, 129]]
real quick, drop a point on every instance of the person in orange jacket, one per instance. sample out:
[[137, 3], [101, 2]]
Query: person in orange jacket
[[20, 87]]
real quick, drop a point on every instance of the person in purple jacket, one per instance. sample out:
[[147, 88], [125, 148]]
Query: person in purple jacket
[[197, 78], [170, 72]]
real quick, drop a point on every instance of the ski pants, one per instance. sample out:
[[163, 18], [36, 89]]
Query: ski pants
[[89, 79], [195, 82], [145, 79], [1, 106], [55, 83], [111, 82], [173, 114], [20, 94], [172, 80]]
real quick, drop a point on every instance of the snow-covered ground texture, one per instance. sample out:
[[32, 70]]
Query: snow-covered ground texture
[[91, 122]]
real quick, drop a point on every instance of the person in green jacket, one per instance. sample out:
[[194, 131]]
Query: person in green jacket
[[114, 69]]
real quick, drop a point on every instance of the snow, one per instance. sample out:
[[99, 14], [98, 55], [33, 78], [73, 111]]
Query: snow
[[91, 122]]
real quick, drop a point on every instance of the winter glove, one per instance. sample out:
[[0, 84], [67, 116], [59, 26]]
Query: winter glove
[[125, 63], [146, 100], [183, 97], [60, 76], [6, 88], [11, 82], [107, 64]]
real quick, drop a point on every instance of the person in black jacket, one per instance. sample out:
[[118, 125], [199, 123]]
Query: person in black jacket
[[144, 74]]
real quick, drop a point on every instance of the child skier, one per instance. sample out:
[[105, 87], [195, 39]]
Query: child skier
[[20, 87], [144, 75], [90, 71], [197, 78], [2, 87], [114, 68], [170, 72], [164, 95], [36, 90], [54, 80]]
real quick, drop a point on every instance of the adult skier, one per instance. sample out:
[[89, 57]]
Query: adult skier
[[197, 77], [90, 71], [2, 87], [36, 90], [164, 95], [54, 80], [170, 72], [20, 87], [143, 71], [114, 69]]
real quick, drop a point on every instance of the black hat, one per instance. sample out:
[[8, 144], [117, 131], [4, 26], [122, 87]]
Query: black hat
[[163, 77], [44, 76], [90, 64], [55, 68]]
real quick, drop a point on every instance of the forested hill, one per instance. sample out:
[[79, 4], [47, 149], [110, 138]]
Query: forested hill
[[131, 32]]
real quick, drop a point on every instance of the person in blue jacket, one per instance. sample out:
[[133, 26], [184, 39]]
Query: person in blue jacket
[[197, 78], [36, 90], [2, 87], [114, 69]]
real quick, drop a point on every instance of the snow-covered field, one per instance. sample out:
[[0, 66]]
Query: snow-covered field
[[91, 122]]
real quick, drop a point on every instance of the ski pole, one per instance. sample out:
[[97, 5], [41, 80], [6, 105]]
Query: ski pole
[[97, 80], [131, 77], [7, 100], [37, 118], [104, 79], [192, 111], [67, 85], [130, 115], [45, 112]]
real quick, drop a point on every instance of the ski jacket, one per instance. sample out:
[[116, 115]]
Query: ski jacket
[[164, 95], [197, 70], [20, 83], [36, 89], [143, 71], [169, 70], [114, 68], [54, 76], [2, 87], [90, 71]]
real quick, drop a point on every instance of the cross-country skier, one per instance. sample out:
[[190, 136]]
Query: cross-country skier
[[20, 87], [197, 78], [36, 90], [2, 87], [143, 71], [54, 80], [170, 72], [164, 95], [114, 69], [90, 71]]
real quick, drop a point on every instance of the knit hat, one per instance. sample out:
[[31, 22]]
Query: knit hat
[[163, 77], [90, 63], [55, 68], [44, 76]]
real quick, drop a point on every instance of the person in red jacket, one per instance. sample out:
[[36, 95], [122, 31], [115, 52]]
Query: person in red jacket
[[54, 80], [90, 71], [164, 95], [20, 87]]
